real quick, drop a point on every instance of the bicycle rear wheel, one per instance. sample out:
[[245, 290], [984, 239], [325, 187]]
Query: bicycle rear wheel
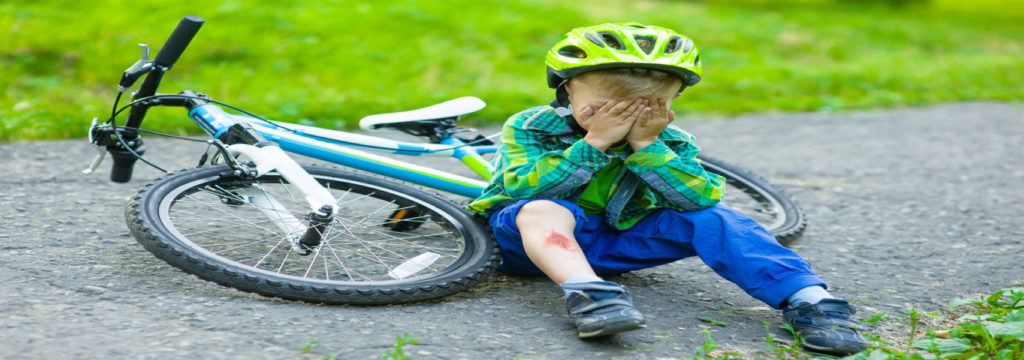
[[388, 243], [760, 200]]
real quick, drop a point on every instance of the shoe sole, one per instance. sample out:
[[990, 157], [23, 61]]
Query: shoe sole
[[615, 328], [843, 349]]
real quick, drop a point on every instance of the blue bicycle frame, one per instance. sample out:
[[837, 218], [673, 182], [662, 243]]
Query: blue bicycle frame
[[343, 148]]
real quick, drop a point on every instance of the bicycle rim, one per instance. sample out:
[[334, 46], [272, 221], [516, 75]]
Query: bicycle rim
[[388, 243]]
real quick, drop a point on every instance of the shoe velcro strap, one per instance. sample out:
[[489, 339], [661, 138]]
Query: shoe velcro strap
[[596, 286], [606, 303], [835, 322], [843, 307]]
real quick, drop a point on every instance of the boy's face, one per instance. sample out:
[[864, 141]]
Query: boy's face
[[583, 94]]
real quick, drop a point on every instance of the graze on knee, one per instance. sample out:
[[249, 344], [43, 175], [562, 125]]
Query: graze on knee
[[558, 240]]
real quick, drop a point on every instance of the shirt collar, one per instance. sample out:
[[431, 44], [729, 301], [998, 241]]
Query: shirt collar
[[548, 122]]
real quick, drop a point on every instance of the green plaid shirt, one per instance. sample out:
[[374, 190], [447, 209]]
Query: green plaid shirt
[[541, 157]]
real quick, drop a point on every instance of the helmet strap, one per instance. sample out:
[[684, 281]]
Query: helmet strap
[[561, 105]]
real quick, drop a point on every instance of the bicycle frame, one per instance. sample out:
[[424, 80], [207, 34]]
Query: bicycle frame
[[125, 145], [343, 148]]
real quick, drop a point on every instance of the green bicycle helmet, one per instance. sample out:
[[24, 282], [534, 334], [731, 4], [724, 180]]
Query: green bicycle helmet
[[623, 45]]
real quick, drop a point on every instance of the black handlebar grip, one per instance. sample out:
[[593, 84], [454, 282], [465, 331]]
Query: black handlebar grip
[[176, 44]]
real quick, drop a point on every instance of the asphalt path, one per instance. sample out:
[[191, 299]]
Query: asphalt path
[[908, 208]]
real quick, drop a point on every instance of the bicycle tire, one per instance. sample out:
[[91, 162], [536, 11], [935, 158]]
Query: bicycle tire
[[760, 200], [162, 212]]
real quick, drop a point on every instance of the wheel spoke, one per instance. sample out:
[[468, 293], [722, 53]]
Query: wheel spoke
[[359, 245], [247, 226]]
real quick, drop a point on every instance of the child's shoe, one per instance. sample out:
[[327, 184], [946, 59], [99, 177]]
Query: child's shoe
[[826, 326], [601, 308]]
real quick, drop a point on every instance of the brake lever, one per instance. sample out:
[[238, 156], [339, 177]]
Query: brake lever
[[141, 67], [101, 153]]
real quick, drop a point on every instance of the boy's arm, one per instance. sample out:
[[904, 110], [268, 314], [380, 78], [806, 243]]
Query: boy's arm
[[535, 170], [675, 172]]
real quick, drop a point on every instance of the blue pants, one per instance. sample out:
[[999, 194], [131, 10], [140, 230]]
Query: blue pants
[[733, 245]]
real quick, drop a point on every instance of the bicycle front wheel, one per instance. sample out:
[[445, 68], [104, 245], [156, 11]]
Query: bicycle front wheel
[[388, 243], [759, 199]]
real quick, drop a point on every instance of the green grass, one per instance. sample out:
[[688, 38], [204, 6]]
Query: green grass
[[990, 327], [331, 62], [397, 351]]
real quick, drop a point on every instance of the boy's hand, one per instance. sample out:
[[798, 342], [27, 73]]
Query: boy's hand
[[610, 124], [646, 129]]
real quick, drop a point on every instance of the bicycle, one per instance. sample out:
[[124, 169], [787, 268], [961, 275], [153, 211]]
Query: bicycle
[[255, 220]]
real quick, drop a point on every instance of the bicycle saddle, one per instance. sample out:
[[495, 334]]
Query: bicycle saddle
[[447, 111]]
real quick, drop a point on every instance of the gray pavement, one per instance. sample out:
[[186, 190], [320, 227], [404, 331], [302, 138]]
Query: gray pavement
[[908, 208]]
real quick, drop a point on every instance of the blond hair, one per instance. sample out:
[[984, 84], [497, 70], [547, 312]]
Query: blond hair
[[631, 82]]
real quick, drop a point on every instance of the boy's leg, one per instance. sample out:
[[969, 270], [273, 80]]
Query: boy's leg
[[740, 250], [547, 234], [545, 230], [733, 245]]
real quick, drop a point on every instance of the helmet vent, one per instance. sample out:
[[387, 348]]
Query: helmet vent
[[594, 39], [688, 46], [646, 43], [612, 40], [572, 51], [673, 45], [696, 60]]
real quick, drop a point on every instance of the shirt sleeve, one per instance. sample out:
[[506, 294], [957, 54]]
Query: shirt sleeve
[[540, 166], [676, 173]]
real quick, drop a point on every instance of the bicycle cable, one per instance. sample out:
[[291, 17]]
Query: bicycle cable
[[115, 112], [272, 123], [113, 125]]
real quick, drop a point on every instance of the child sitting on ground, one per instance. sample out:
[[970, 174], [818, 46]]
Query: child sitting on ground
[[601, 183]]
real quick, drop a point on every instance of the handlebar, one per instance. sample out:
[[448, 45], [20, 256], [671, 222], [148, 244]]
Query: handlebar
[[124, 152], [176, 44]]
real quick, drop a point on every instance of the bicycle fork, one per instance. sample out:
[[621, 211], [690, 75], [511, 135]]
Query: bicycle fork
[[305, 236]]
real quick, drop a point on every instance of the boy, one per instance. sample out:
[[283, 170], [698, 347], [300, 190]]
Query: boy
[[599, 183]]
